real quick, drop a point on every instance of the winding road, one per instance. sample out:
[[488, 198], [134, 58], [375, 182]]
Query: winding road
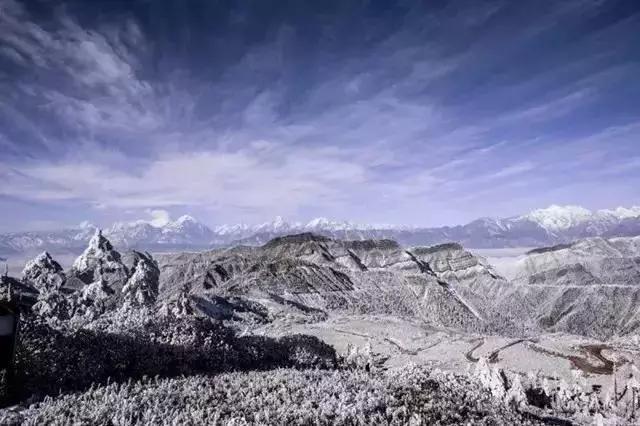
[[493, 356]]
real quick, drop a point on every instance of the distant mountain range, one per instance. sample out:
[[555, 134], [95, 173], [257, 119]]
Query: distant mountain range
[[543, 227]]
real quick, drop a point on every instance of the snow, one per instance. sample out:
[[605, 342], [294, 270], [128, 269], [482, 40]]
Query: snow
[[86, 225], [185, 218], [322, 223], [231, 229], [622, 212], [555, 217], [278, 224], [318, 222]]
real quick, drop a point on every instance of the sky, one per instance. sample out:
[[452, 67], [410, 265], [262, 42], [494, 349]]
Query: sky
[[417, 113]]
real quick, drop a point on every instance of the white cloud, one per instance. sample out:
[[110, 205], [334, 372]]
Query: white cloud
[[159, 217]]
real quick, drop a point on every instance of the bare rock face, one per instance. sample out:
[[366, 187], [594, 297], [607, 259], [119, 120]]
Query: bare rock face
[[452, 263], [142, 286], [44, 273], [100, 262]]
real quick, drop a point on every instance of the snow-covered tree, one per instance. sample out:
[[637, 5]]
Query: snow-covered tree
[[359, 358], [44, 273], [180, 307], [142, 286], [515, 396], [54, 305], [491, 379]]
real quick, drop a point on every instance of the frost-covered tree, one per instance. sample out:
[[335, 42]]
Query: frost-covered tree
[[180, 307], [47, 276], [142, 286], [515, 396], [491, 379], [54, 305], [95, 298], [44, 273], [360, 358]]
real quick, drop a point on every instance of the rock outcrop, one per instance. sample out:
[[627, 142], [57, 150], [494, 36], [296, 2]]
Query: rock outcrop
[[100, 261], [44, 273]]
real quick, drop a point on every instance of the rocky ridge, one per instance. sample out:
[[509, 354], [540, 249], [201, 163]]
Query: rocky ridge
[[308, 277]]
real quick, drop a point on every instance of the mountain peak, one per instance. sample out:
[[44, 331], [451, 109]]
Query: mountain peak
[[43, 272], [183, 222], [278, 224], [557, 217], [185, 230], [317, 222], [99, 259], [186, 218], [98, 240]]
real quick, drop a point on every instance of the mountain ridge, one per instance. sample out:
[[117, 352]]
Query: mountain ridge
[[542, 227]]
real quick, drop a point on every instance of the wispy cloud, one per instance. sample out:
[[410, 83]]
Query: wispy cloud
[[410, 119], [245, 180]]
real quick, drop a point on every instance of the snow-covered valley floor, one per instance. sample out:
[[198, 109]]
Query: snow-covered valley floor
[[398, 342]]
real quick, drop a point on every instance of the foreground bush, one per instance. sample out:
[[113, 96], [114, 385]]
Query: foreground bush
[[282, 396], [50, 360]]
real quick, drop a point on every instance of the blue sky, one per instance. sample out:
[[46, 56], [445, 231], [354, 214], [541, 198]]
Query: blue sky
[[423, 113]]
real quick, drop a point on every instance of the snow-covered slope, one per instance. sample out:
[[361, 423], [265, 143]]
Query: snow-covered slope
[[600, 261], [590, 287], [557, 218], [185, 231]]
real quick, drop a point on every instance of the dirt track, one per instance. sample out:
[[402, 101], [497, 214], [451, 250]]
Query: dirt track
[[469, 354], [493, 356]]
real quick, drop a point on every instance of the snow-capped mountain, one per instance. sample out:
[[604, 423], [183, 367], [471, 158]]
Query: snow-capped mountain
[[183, 233], [185, 230], [73, 239], [556, 218], [542, 227]]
